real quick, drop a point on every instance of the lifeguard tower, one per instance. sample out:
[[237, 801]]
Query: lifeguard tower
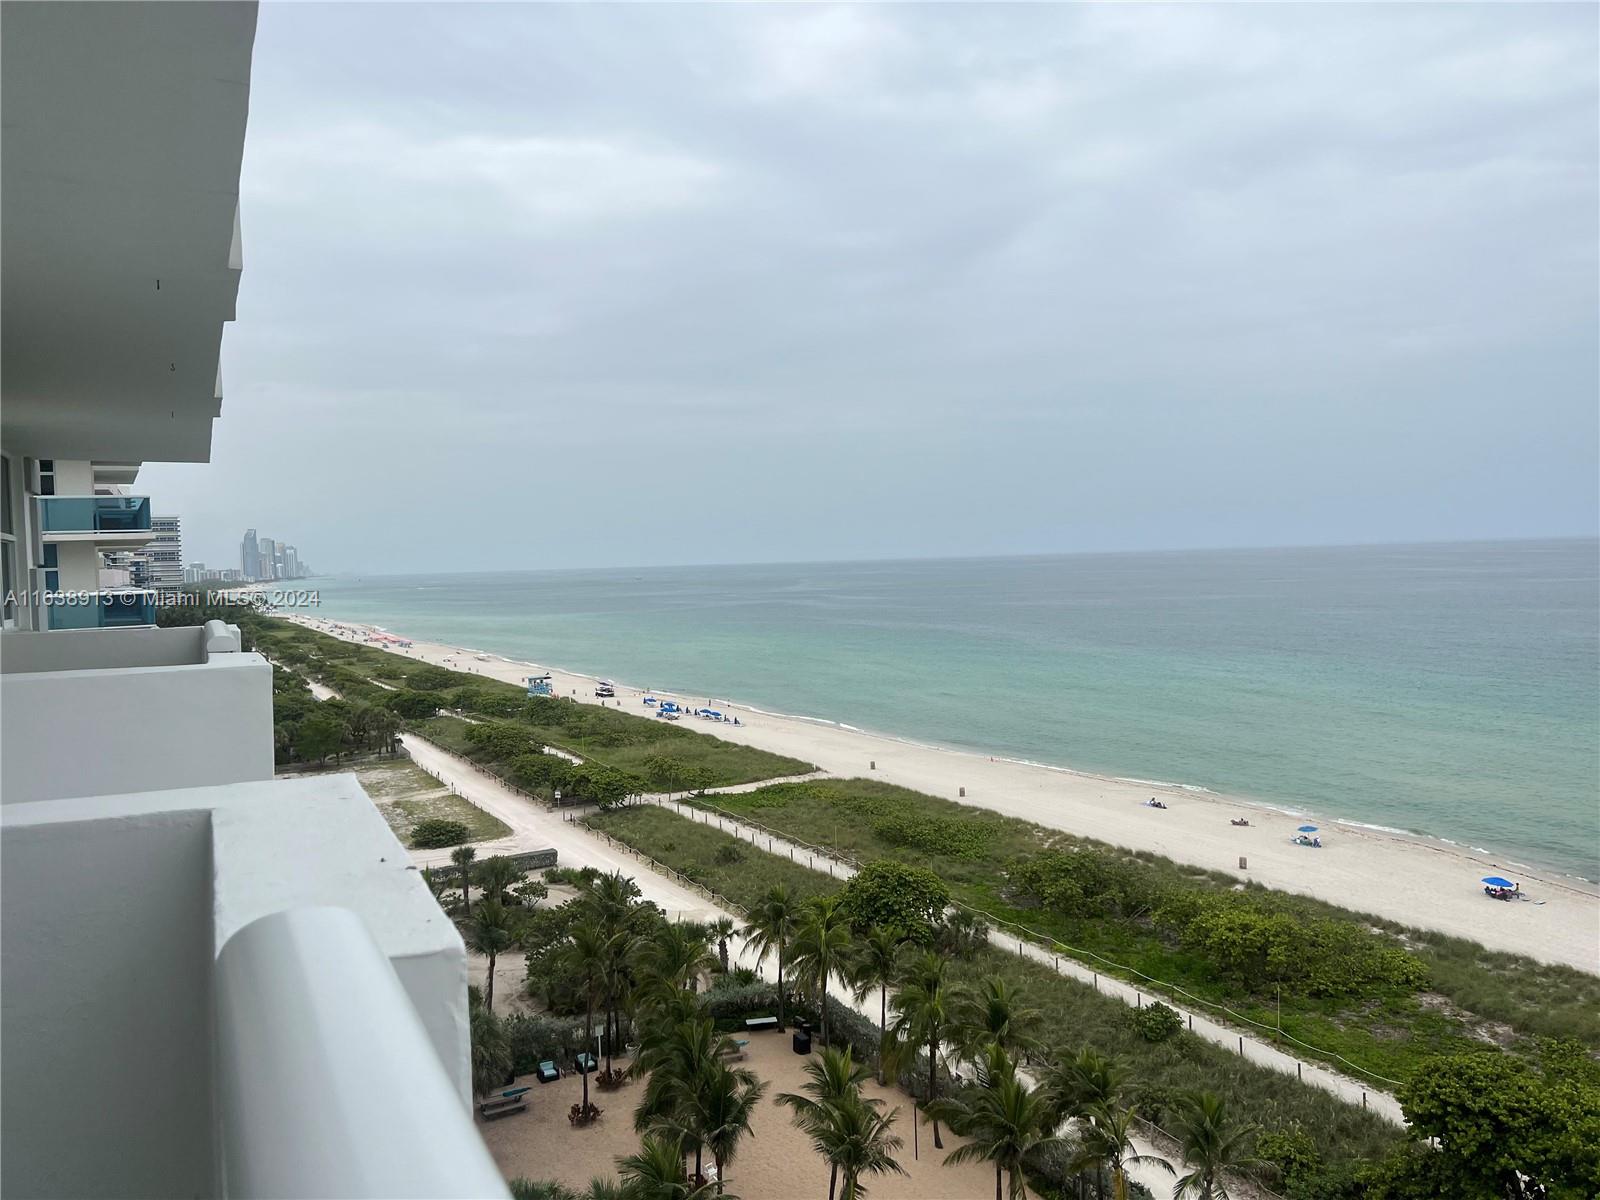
[[539, 685]]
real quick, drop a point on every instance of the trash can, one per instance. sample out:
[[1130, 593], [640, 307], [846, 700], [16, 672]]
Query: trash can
[[802, 1040]]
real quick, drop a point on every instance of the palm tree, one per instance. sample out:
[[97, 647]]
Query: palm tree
[[1212, 1143], [996, 1013], [772, 924], [678, 1057], [656, 1172], [722, 929], [491, 1049], [1005, 1119], [1074, 1086], [875, 964], [585, 956], [922, 1003], [610, 898], [821, 947], [385, 727], [462, 856], [495, 876], [834, 1078], [677, 955], [856, 1138], [723, 1102], [1106, 1143], [491, 933]]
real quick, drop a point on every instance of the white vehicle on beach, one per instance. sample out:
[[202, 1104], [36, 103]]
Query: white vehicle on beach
[[605, 688]]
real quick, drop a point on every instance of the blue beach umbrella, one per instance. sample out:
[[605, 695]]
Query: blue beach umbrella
[[1308, 829], [1496, 881]]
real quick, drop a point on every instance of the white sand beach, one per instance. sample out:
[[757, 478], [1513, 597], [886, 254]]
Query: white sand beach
[[1414, 880]]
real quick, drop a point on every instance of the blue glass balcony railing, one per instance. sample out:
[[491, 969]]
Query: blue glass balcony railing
[[94, 514], [102, 610]]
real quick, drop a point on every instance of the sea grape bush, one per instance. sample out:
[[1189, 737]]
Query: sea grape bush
[[936, 835], [437, 832], [1255, 944], [1156, 1022], [907, 901], [1081, 883]]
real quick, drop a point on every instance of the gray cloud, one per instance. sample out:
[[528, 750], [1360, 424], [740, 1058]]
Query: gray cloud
[[546, 285]]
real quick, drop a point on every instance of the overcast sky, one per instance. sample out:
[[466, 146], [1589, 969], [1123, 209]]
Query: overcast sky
[[541, 286]]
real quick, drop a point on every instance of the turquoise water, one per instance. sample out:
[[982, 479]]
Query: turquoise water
[[1446, 689]]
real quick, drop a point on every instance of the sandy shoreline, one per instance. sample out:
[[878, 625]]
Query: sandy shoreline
[[1402, 877]]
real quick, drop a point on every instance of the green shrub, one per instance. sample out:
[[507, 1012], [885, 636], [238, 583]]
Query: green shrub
[[414, 706], [908, 901], [436, 833], [1156, 1022], [431, 679], [727, 855], [936, 835], [537, 1037]]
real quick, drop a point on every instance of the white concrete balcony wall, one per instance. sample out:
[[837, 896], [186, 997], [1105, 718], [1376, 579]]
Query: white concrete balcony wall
[[137, 930], [97, 711]]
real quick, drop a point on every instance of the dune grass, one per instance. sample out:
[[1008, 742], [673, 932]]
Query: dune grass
[[1474, 997]]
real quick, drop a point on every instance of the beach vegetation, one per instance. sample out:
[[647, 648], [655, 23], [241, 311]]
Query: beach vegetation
[[1156, 1022], [437, 833], [604, 736], [1373, 993], [413, 706], [907, 902], [1073, 1017]]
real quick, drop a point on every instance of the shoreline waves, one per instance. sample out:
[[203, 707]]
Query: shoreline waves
[[1414, 879]]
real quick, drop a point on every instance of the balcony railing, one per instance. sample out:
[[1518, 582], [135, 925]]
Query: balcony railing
[[94, 514], [101, 610]]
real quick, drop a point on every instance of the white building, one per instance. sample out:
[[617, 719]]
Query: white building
[[212, 983]]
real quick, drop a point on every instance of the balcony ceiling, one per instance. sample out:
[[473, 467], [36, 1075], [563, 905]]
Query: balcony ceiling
[[122, 136]]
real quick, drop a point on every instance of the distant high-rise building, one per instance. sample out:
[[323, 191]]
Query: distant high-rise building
[[249, 555], [160, 563]]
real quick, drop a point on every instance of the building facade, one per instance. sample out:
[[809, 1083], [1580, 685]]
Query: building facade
[[289, 1014]]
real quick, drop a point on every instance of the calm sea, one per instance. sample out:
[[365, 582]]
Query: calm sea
[[1452, 690]]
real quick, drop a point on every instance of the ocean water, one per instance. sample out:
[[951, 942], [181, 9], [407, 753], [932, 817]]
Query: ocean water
[[1452, 690]]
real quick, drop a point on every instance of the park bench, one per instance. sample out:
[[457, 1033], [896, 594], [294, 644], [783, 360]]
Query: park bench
[[757, 1024]]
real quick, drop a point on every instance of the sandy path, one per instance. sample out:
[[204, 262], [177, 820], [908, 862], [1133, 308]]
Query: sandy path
[[1413, 880]]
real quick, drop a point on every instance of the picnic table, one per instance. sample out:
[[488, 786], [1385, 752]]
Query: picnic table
[[503, 1106]]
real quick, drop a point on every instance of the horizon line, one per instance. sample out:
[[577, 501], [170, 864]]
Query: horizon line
[[938, 558]]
